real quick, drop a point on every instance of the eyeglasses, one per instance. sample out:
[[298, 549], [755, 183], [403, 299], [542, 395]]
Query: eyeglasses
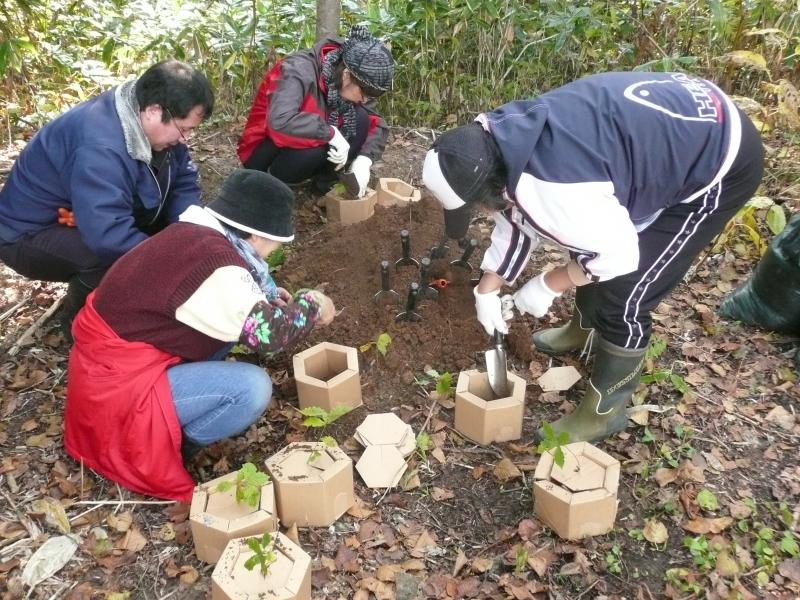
[[183, 133]]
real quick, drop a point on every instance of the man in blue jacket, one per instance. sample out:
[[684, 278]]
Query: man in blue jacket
[[103, 177], [632, 173]]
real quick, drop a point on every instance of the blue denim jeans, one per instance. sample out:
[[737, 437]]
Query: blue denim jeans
[[218, 399]]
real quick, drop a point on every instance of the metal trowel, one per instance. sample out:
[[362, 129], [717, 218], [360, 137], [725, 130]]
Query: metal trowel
[[497, 366], [350, 183]]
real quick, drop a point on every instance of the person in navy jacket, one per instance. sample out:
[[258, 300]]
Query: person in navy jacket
[[103, 177], [632, 173]]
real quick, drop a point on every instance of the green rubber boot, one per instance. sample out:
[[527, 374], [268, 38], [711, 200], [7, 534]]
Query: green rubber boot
[[575, 334], [601, 413]]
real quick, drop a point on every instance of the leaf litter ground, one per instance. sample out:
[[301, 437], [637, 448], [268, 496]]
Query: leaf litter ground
[[460, 523]]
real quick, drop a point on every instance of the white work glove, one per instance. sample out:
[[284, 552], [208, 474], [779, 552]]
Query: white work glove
[[535, 297], [360, 168], [490, 313], [339, 148]]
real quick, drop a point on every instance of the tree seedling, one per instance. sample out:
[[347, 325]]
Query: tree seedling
[[444, 385], [329, 441], [263, 553], [316, 416], [424, 443], [381, 344], [553, 441], [521, 561], [248, 484]]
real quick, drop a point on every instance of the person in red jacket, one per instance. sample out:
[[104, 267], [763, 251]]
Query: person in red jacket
[[146, 380], [314, 112]]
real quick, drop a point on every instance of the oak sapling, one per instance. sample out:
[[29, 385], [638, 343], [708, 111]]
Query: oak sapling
[[248, 484], [553, 441], [263, 553]]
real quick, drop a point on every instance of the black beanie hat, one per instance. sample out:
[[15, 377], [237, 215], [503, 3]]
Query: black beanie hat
[[256, 202], [466, 162], [369, 60]]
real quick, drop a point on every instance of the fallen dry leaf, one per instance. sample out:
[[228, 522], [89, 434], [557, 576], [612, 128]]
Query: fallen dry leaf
[[541, 559], [121, 522], [133, 541], [440, 494], [781, 417], [703, 525], [481, 564], [790, 569], [461, 560], [506, 470], [655, 532], [665, 476], [189, 575], [360, 510], [424, 545], [388, 572]]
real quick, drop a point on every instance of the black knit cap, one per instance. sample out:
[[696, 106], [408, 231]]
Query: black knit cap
[[369, 60], [256, 202], [468, 158]]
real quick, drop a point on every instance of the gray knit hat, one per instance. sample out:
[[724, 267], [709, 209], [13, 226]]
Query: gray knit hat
[[369, 60]]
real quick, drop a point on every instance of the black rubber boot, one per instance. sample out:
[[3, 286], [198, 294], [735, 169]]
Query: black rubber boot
[[601, 413], [575, 334], [73, 302], [189, 449]]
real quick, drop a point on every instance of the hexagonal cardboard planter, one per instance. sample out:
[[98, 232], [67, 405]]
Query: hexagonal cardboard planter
[[288, 578], [216, 518], [579, 499], [311, 491], [393, 192], [482, 417], [348, 211], [327, 376]]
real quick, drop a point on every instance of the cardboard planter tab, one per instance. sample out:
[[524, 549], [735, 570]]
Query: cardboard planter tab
[[481, 417], [386, 429], [216, 517], [579, 499], [288, 578], [381, 466], [347, 210], [327, 376], [393, 192], [313, 483]]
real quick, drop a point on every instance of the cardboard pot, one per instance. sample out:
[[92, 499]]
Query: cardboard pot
[[216, 518], [579, 499], [288, 578], [348, 210], [483, 418], [393, 192], [311, 490], [327, 376]]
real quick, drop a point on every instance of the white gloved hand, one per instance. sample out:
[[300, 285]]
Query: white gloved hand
[[490, 313], [360, 168], [339, 148], [535, 297]]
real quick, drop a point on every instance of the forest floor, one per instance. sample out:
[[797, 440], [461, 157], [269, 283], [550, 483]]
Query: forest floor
[[710, 483]]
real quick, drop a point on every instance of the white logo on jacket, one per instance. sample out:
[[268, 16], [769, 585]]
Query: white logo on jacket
[[708, 104]]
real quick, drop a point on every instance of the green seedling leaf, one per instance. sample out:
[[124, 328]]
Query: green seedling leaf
[[313, 411], [329, 441], [313, 422], [248, 484], [707, 500], [789, 544], [656, 347], [444, 384], [553, 441], [679, 383], [383, 342], [336, 413], [263, 553], [776, 219]]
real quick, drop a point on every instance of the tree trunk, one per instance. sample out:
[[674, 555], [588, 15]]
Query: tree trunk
[[328, 12]]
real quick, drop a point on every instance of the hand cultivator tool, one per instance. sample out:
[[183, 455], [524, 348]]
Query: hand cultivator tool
[[410, 314], [427, 291], [441, 249], [405, 241], [463, 262], [386, 293]]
